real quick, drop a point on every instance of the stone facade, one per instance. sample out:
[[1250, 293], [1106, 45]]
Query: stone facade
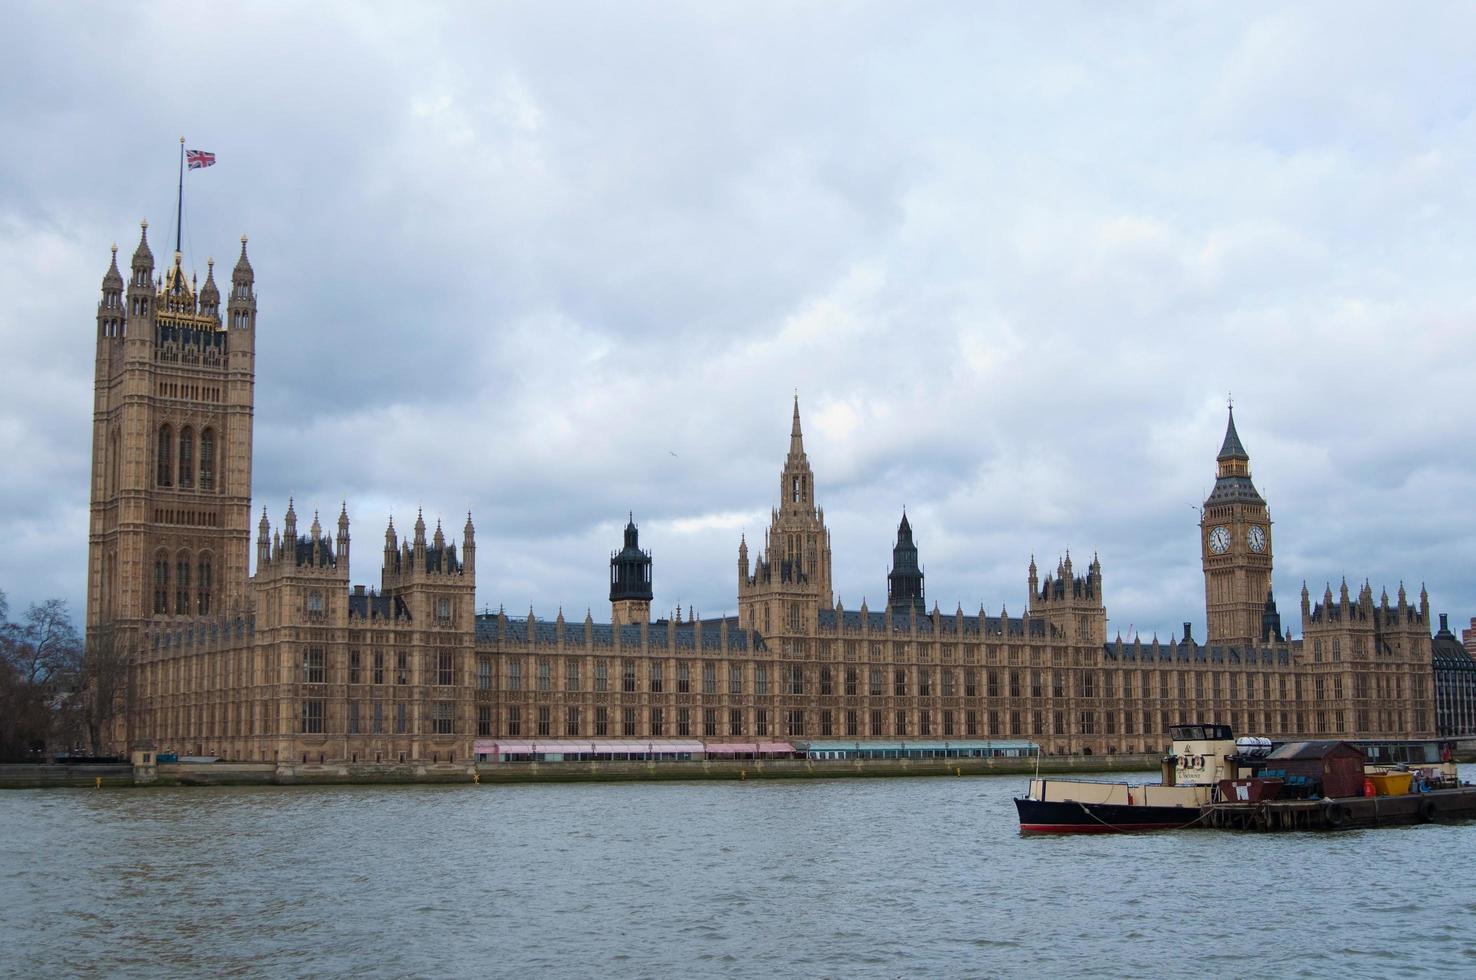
[[297, 664]]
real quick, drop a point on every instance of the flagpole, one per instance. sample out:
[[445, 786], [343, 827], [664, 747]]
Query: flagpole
[[179, 205]]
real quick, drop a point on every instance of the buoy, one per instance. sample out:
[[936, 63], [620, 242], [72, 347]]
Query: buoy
[[98, 784]]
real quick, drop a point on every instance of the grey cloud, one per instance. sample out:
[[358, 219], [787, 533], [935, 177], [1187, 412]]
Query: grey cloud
[[512, 260]]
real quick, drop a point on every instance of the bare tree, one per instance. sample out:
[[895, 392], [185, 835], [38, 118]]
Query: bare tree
[[45, 645], [25, 709], [104, 689]]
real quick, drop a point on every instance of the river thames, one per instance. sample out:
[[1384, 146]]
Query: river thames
[[843, 878]]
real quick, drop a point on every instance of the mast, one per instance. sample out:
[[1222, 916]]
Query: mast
[[179, 201]]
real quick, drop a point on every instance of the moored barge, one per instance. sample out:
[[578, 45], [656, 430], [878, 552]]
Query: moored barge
[[1210, 779]]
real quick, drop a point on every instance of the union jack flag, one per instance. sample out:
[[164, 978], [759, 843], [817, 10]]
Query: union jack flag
[[199, 158]]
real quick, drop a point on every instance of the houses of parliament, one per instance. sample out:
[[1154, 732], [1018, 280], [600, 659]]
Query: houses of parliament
[[294, 663]]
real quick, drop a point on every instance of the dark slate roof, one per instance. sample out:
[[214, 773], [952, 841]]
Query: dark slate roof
[[1448, 652], [659, 634], [1310, 750], [947, 623], [442, 559], [1231, 447], [304, 550], [1233, 488], [1193, 652], [373, 605]]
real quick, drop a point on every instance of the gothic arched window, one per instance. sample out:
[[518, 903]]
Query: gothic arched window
[[166, 456], [203, 584], [161, 584], [182, 584], [207, 460], [186, 457]]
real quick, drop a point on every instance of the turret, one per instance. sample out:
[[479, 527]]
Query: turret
[[469, 546], [417, 554], [289, 525], [343, 535], [110, 306], [391, 546], [630, 580], [241, 307], [905, 580], [139, 300], [1270, 621], [315, 555], [141, 279], [263, 542]]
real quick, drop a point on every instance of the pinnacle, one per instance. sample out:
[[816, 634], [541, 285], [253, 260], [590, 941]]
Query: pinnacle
[[143, 255], [243, 264]]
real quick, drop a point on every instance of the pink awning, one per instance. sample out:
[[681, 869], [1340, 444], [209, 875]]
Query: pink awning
[[513, 748], [732, 748], [563, 748], [776, 747]]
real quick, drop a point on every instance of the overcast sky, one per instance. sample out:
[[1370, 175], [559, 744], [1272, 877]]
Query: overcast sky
[[555, 264]]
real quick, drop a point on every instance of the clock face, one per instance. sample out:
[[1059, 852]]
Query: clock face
[[1256, 538], [1220, 540]]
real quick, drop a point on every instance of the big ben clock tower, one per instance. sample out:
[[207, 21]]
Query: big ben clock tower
[[1235, 546]]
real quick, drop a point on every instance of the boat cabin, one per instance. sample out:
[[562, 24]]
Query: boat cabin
[[1201, 755]]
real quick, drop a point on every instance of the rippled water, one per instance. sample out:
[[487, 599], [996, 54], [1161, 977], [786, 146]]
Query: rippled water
[[885, 877]]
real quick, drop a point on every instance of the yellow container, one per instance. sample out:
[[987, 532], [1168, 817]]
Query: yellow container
[[1391, 783]]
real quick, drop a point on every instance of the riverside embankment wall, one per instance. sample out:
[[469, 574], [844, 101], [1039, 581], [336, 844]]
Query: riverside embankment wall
[[270, 774]]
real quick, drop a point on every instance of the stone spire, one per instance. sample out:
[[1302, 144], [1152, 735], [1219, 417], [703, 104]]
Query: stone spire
[[796, 439]]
